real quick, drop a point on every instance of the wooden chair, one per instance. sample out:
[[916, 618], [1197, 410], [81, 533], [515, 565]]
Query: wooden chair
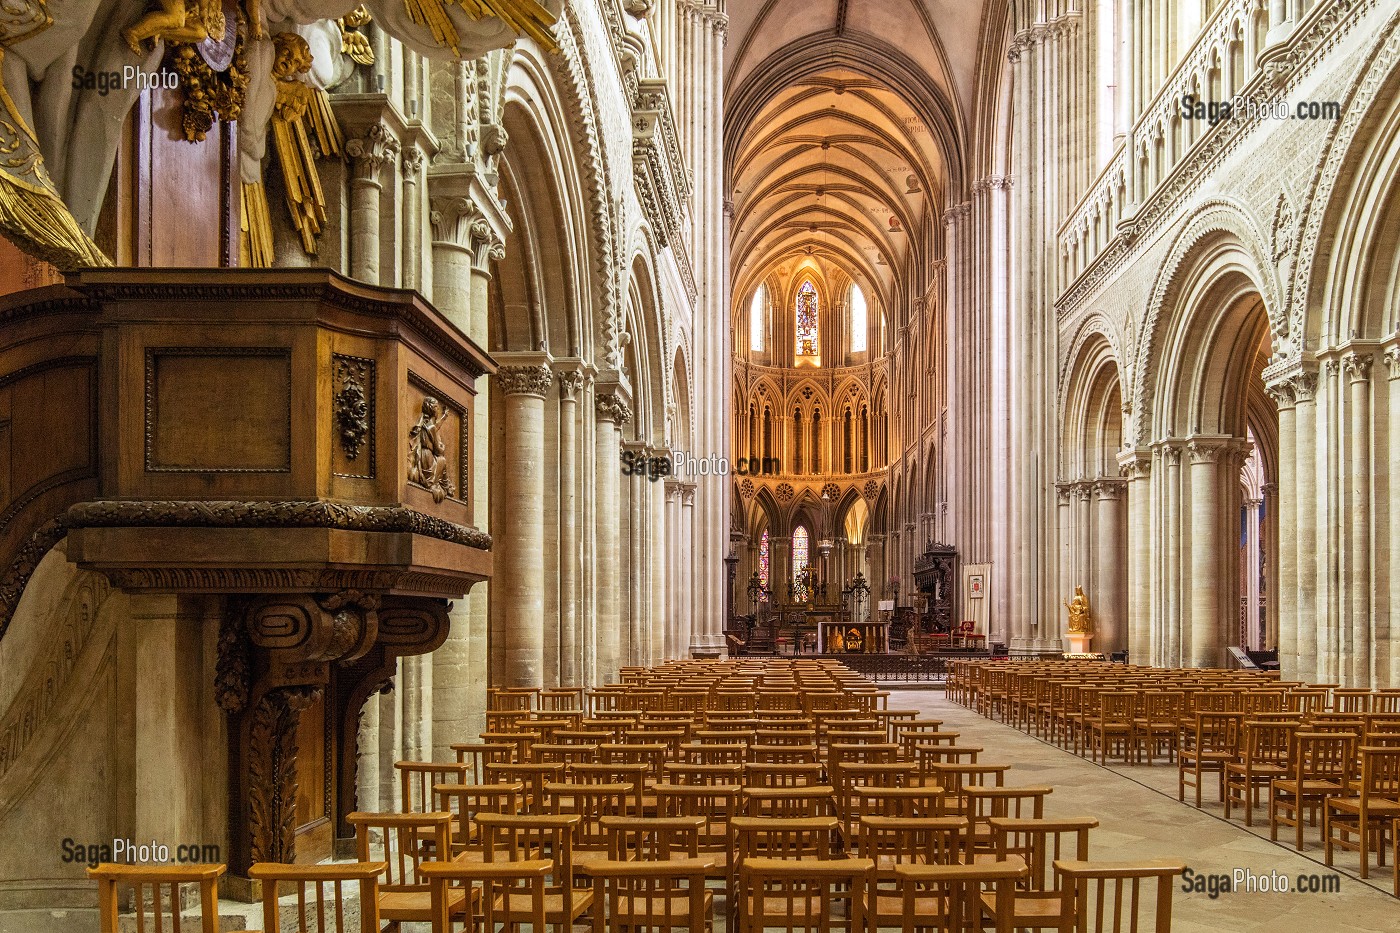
[[987, 803], [273, 875], [1319, 765], [522, 838], [110, 877], [1115, 722], [653, 838], [1103, 889], [1265, 759], [464, 802], [1159, 722], [503, 892], [948, 898], [477, 755], [789, 802], [825, 895], [890, 841], [404, 896], [781, 775], [715, 805], [416, 780], [1369, 813], [1206, 746], [1039, 843], [591, 803], [644, 896], [532, 774], [683, 772]]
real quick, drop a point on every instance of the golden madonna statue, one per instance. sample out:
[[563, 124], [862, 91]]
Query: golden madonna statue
[[838, 641], [1079, 612]]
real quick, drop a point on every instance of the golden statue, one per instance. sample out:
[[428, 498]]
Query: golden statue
[[838, 641], [1079, 613], [853, 640]]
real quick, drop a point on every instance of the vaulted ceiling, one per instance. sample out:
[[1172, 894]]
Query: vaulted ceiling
[[845, 126]]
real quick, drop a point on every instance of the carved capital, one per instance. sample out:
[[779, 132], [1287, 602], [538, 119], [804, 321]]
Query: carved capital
[[1281, 392], [1135, 464], [371, 151], [570, 385], [1391, 359], [1109, 489], [614, 408], [1304, 387], [525, 380], [412, 164], [1204, 451], [1358, 366]]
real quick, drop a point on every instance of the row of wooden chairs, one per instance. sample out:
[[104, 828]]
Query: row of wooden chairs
[[1314, 754], [850, 819]]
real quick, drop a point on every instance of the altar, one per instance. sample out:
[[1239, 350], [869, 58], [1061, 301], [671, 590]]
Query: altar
[[870, 637]]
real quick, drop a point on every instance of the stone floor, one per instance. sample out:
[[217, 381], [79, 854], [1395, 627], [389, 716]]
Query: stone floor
[[1140, 817]]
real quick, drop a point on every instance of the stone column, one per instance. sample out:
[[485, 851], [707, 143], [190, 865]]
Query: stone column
[[658, 565], [613, 412], [464, 245], [368, 153], [1173, 629], [691, 624], [1136, 467], [1271, 570], [1206, 648], [519, 568], [570, 384], [1253, 637], [1387, 629], [411, 262], [1305, 478], [1357, 578], [1110, 566], [675, 594], [1283, 586]]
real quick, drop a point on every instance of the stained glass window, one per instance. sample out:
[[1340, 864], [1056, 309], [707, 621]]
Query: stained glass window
[[859, 320], [758, 318], [763, 559], [808, 309], [799, 564]]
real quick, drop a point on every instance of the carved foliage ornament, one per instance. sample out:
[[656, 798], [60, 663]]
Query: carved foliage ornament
[[525, 380], [209, 95], [353, 403]]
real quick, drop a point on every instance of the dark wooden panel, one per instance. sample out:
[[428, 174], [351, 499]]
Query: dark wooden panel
[[225, 411]]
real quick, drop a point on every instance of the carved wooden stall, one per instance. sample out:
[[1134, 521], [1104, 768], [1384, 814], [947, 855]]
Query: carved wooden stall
[[935, 571], [288, 453]]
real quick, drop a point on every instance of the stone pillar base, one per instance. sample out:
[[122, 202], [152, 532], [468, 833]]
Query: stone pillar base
[[1077, 643]]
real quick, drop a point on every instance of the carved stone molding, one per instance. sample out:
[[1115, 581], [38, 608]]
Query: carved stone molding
[[525, 380], [613, 407]]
